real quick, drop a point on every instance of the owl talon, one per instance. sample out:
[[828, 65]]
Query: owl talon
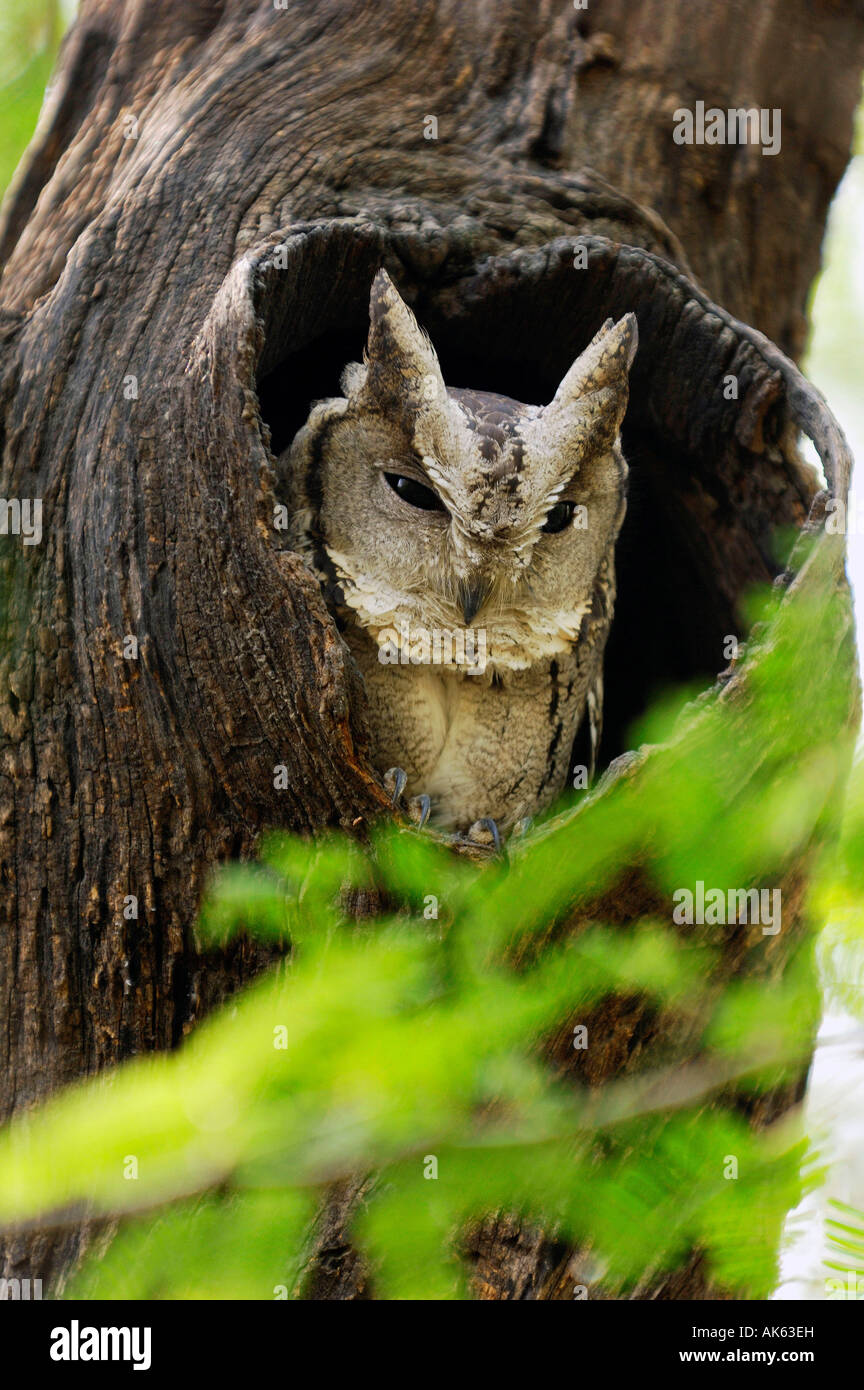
[[418, 809], [485, 832], [395, 781], [522, 827]]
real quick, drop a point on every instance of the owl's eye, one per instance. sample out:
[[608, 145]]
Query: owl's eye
[[415, 493], [559, 517]]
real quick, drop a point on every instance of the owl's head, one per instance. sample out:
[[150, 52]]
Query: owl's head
[[446, 508]]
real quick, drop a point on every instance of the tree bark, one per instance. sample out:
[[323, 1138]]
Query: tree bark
[[188, 248]]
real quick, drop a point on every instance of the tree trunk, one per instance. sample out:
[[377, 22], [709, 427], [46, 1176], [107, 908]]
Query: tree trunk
[[188, 249]]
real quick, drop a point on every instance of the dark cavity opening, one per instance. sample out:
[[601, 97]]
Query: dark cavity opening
[[697, 538]]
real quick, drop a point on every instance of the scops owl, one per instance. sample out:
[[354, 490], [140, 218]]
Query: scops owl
[[465, 542]]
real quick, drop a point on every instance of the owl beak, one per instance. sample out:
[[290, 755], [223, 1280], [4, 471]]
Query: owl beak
[[473, 598]]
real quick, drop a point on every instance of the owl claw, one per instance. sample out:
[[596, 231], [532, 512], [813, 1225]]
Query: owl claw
[[418, 809], [485, 832], [522, 826], [395, 782]]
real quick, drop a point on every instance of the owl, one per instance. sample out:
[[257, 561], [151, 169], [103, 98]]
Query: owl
[[465, 543]]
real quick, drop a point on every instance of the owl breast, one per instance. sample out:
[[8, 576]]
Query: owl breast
[[492, 744]]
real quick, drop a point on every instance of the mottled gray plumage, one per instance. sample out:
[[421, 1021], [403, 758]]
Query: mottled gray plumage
[[422, 509]]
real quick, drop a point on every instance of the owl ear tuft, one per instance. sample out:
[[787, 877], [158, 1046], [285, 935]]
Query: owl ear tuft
[[603, 366], [353, 379], [401, 362]]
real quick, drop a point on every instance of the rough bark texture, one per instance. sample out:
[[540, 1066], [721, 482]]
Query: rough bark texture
[[182, 147]]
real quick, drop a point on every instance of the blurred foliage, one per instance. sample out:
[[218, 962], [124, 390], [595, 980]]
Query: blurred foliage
[[840, 904], [845, 1232], [30, 33], [412, 1047]]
